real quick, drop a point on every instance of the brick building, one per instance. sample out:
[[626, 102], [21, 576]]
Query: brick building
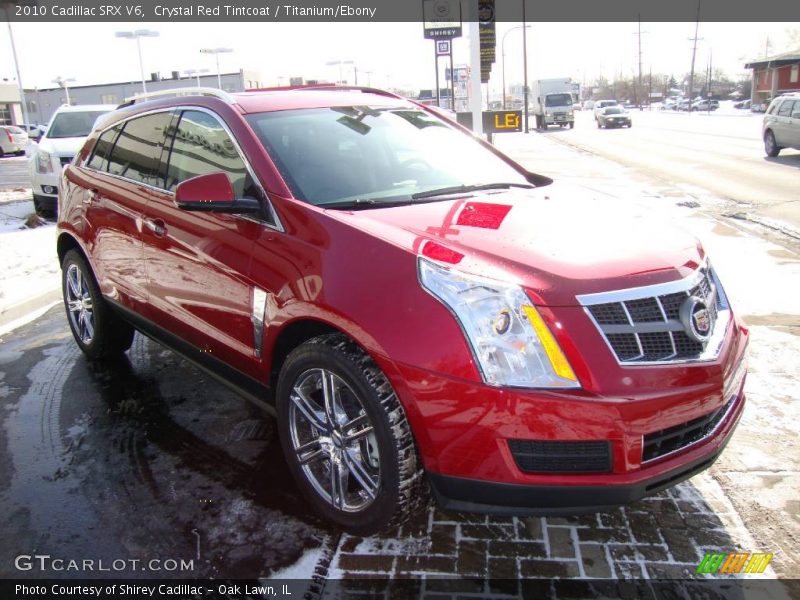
[[774, 76]]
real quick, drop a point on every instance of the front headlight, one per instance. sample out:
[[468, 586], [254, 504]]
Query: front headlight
[[510, 341], [44, 162]]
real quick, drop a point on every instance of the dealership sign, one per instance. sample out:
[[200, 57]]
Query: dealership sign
[[441, 19]]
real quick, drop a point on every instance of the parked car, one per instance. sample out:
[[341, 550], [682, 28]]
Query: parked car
[[781, 124], [614, 116], [684, 104], [669, 104], [705, 105], [599, 105], [13, 140], [65, 134], [743, 104], [34, 131], [419, 311]]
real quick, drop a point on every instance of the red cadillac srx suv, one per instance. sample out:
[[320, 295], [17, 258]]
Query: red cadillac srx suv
[[419, 312]]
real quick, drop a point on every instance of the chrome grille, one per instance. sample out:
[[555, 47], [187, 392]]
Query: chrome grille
[[643, 325]]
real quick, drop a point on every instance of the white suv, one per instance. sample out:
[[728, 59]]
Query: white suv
[[781, 127], [65, 135]]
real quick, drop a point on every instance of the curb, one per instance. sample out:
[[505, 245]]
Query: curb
[[19, 311]]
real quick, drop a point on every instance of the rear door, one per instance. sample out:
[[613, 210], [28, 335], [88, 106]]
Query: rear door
[[793, 124], [781, 125], [124, 169], [197, 262]]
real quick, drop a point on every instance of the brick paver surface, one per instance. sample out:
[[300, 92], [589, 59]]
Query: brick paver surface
[[664, 536]]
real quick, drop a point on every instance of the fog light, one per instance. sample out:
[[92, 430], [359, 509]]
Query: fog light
[[49, 189]]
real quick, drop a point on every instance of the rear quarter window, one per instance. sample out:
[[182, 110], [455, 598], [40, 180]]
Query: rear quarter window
[[102, 149], [137, 152]]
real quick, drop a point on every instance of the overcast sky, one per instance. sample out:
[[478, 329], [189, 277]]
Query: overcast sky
[[395, 53]]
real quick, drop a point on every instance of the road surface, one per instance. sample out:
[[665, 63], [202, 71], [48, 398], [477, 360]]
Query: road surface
[[721, 153]]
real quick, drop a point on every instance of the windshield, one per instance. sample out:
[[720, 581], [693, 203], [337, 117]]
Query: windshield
[[378, 154], [74, 124], [558, 100], [613, 110]]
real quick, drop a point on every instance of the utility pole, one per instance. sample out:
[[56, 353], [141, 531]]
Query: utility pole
[[639, 35], [525, 65], [694, 52]]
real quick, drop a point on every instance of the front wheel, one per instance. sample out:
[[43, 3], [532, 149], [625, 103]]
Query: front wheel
[[346, 437], [98, 331], [770, 145], [572, 125]]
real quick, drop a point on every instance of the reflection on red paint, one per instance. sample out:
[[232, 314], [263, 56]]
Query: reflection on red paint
[[440, 253], [483, 214]]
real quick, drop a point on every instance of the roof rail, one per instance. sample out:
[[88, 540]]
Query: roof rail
[[355, 88], [187, 91], [327, 87]]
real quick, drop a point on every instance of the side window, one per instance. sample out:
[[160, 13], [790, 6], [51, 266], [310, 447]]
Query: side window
[[785, 109], [102, 149], [137, 153], [203, 146]]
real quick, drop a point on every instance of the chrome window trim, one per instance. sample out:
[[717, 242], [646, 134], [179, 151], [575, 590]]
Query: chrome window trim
[[277, 225], [715, 342]]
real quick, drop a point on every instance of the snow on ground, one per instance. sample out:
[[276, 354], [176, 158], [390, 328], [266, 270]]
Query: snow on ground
[[28, 263]]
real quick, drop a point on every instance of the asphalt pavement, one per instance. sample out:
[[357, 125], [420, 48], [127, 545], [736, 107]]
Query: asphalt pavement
[[719, 153], [14, 173]]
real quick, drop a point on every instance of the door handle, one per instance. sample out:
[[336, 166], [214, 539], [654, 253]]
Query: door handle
[[157, 226]]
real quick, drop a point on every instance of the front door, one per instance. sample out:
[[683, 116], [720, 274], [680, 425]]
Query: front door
[[197, 262]]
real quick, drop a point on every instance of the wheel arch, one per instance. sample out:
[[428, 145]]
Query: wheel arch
[[298, 331], [65, 243]]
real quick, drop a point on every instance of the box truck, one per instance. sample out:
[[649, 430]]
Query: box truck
[[551, 102]]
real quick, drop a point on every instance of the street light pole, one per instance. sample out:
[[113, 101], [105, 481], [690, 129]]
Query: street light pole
[[216, 52], [61, 82], [138, 35], [16, 67], [503, 55]]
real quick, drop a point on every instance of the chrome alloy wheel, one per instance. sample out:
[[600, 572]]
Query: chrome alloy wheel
[[79, 304], [334, 440]]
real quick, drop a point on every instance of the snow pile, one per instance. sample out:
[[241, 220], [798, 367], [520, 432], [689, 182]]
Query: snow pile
[[28, 262]]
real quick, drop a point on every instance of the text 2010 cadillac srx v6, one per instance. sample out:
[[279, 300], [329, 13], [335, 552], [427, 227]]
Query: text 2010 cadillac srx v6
[[420, 312]]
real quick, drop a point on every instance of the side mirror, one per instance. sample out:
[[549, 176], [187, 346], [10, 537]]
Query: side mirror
[[212, 193]]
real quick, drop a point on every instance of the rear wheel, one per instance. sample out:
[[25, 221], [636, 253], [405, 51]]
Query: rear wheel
[[770, 145], [98, 331], [572, 124], [346, 437]]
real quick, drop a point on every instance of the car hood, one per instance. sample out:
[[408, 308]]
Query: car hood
[[557, 241], [62, 146]]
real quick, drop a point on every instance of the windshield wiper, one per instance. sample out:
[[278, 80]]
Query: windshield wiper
[[463, 189], [366, 202]]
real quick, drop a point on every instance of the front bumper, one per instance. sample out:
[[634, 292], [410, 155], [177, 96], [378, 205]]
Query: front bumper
[[470, 495], [465, 430]]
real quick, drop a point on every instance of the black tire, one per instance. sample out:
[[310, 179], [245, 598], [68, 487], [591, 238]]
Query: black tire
[[110, 336], [401, 485], [599, 126], [572, 125], [40, 210], [770, 145]]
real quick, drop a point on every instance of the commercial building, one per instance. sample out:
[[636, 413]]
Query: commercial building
[[42, 103], [10, 106], [775, 75]]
